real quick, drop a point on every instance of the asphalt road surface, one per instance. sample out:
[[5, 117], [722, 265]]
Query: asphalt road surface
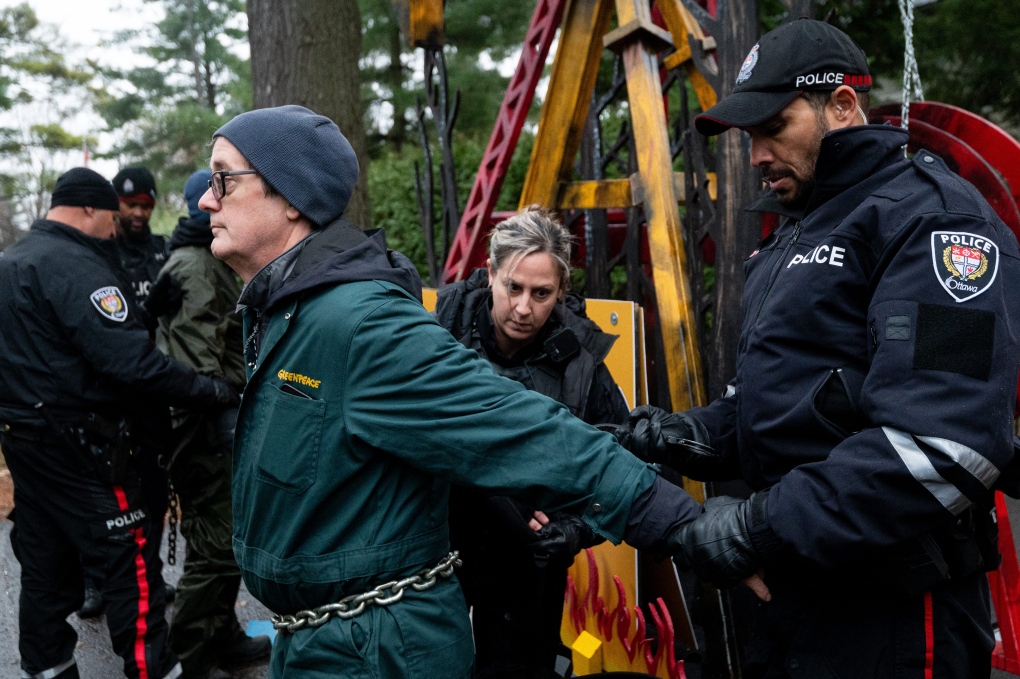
[[96, 659]]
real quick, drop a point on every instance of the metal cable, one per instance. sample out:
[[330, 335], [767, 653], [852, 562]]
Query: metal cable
[[912, 90]]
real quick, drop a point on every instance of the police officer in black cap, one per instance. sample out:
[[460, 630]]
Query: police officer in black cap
[[872, 408], [142, 252], [72, 352]]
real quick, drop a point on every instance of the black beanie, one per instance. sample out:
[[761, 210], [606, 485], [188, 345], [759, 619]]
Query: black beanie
[[135, 181], [82, 187], [301, 154]]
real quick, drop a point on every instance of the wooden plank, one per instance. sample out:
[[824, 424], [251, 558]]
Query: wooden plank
[[566, 105], [610, 193], [683, 26], [655, 176], [589, 195]]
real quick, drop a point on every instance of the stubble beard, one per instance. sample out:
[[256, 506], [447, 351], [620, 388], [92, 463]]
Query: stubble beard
[[805, 186]]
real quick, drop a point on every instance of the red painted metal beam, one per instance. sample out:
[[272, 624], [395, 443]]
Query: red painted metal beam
[[966, 162], [468, 248], [990, 141]]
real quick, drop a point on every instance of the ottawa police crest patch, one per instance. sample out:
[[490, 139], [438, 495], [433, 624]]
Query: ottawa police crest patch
[[110, 303], [966, 264]]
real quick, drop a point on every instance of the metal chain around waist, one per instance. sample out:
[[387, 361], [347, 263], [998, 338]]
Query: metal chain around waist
[[383, 595]]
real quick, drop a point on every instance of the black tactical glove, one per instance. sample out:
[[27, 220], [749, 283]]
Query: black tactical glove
[[562, 538], [165, 297], [225, 393], [728, 543], [677, 440], [224, 422]]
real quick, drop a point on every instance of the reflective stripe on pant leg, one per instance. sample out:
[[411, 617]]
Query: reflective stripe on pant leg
[[50, 673], [141, 626], [174, 672]]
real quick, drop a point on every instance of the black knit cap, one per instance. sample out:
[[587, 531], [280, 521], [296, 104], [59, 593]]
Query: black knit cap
[[302, 155], [801, 56], [82, 187], [135, 182]]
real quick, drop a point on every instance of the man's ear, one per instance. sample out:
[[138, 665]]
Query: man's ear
[[492, 274], [842, 109], [293, 214]]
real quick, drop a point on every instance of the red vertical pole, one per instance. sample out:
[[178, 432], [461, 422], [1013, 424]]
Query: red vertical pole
[[468, 246]]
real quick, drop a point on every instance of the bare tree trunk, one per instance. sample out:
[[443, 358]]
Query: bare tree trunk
[[196, 60], [738, 231], [306, 52]]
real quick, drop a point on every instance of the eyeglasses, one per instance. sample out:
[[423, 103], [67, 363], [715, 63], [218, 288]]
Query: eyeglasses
[[218, 181]]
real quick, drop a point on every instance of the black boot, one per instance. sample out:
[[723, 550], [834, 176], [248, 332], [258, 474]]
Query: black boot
[[94, 605], [247, 650]]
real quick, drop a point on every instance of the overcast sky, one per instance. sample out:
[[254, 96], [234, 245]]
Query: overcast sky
[[86, 25]]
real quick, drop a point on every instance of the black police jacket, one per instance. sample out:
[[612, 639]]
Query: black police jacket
[[142, 256], [878, 359], [70, 339]]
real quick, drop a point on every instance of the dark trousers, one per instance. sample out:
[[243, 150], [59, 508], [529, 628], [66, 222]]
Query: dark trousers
[[518, 608], [204, 623], [850, 633], [65, 514]]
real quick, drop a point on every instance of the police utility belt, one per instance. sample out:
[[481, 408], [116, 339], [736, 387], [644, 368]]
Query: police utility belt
[[102, 443], [382, 595]]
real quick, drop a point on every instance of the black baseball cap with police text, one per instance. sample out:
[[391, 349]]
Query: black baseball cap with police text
[[801, 56]]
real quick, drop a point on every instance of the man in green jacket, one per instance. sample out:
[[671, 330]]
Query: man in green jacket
[[205, 333], [359, 412]]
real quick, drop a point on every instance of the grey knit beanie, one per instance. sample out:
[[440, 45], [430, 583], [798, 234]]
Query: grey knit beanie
[[301, 154]]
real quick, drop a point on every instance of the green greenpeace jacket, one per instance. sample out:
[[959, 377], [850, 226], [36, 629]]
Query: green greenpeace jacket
[[359, 412]]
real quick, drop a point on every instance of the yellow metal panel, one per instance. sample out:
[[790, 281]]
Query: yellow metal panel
[[624, 360], [428, 298], [566, 104]]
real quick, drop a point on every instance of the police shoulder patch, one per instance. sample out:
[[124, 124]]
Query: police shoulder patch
[[110, 303], [965, 263]]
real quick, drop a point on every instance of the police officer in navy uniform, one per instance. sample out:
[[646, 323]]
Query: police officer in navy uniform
[[872, 408], [71, 353], [142, 253]]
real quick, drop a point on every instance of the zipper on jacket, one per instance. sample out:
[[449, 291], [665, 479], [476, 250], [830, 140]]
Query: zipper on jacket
[[777, 269], [252, 342]]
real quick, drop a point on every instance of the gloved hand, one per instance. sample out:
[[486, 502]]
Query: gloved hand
[[677, 440], [225, 393], [224, 421], [562, 538], [165, 296], [728, 543]]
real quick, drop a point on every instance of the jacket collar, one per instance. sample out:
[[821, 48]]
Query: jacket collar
[[107, 247], [848, 157], [338, 253]]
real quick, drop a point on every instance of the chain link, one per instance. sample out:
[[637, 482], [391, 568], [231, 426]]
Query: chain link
[[911, 78], [171, 538], [382, 595]]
